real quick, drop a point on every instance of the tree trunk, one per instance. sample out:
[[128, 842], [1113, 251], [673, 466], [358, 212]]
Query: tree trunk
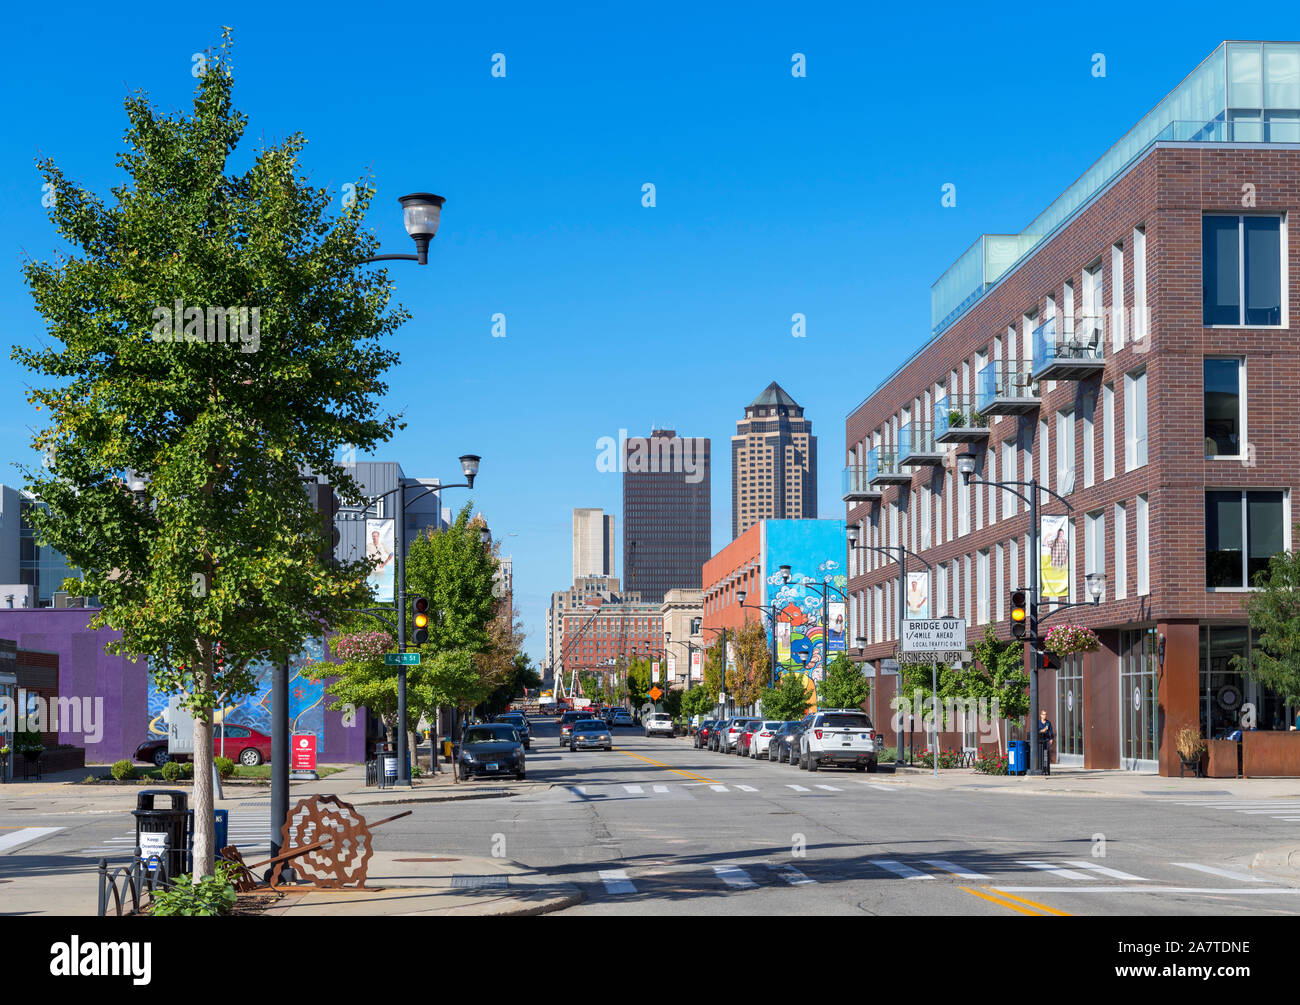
[[413, 745], [204, 829]]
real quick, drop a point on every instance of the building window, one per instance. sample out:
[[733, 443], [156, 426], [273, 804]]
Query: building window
[[982, 576], [1135, 420], [1065, 451], [1225, 411], [1108, 431], [1121, 551], [1117, 296], [941, 590], [1143, 546], [1088, 407], [1094, 544], [1243, 530], [1140, 326], [1241, 270]]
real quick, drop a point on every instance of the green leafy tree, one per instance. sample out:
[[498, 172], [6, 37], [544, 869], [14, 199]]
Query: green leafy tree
[[845, 685], [753, 671], [212, 565], [698, 701], [1274, 611], [787, 701]]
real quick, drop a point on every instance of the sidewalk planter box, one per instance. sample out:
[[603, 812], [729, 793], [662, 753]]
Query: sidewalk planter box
[[1266, 754], [1223, 756]]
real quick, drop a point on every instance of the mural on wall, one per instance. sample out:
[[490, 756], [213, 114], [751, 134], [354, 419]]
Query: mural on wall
[[306, 700], [814, 550]]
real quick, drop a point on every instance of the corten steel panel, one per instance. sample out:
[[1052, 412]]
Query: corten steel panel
[[1267, 754], [1179, 689], [1047, 700], [1101, 703], [1223, 757]]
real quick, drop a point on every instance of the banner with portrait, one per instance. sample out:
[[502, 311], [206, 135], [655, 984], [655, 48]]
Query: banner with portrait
[[918, 595], [783, 642], [1054, 556], [836, 628], [380, 551]]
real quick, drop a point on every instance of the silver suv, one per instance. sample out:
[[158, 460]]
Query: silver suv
[[659, 722], [838, 737]]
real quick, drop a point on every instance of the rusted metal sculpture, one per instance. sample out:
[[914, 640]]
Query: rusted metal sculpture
[[328, 841]]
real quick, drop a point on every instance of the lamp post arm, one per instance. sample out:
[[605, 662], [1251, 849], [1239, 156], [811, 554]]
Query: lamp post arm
[[1030, 485], [889, 550], [389, 258], [1062, 605]]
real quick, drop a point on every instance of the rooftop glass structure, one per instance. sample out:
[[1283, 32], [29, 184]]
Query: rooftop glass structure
[[1243, 92]]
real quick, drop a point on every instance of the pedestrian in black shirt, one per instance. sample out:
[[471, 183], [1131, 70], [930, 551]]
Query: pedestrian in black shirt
[[1046, 739]]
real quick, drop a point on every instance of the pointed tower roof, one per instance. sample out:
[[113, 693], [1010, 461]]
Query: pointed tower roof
[[774, 394]]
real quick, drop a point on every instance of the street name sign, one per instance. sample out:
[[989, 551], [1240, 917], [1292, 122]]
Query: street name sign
[[401, 659], [939, 635]]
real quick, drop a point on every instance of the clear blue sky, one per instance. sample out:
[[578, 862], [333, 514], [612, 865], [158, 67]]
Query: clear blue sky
[[775, 195]]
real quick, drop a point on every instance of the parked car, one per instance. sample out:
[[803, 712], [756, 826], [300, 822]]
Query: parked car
[[838, 737], [744, 736], [589, 733], [786, 738], [702, 733], [520, 722], [760, 742], [243, 744], [715, 735], [566, 725], [622, 717], [730, 736], [492, 748], [659, 724]]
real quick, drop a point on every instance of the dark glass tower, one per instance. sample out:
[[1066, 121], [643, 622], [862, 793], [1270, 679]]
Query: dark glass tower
[[666, 524]]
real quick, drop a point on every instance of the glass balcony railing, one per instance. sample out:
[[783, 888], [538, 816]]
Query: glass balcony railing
[[857, 486], [916, 444], [1006, 387], [1070, 350], [958, 419], [883, 466]]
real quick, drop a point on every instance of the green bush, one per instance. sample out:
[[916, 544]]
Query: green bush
[[210, 896], [991, 764], [123, 770], [225, 767], [887, 755], [187, 769], [173, 770], [947, 758]]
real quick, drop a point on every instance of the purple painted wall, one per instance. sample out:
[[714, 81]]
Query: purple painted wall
[[87, 671]]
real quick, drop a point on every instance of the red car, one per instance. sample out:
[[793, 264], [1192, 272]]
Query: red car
[[746, 735], [243, 744]]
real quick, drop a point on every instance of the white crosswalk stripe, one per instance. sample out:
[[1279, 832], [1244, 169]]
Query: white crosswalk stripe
[[735, 877], [746, 788], [830, 788], [23, 835], [661, 788], [719, 788], [1244, 877], [798, 788], [956, 870], [635, 790], [247, 832], [1054, 870], [616, 881], [899, 869], [791, 875], [1107, 871], [1286, 810]]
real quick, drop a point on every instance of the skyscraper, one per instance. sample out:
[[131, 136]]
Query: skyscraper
[[666, 525], [593, 543], [773, 462]]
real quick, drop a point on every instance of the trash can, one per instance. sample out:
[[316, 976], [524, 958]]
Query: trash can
[[164, 833], [1017, 757], [387, 770]]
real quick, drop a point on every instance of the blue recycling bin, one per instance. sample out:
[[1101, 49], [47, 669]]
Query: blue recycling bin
[[220, 830], [1017, 757]]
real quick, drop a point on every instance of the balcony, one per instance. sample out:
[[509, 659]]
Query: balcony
[[916, 445], [959, 420], [1007, 387], [1069, 351], [884, 468], [857, 489]]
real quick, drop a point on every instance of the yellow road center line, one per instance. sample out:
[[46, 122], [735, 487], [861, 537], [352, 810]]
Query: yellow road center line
[[999, 901], [660, 764], [1031, 903]]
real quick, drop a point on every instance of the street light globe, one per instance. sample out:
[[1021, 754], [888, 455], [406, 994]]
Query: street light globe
[[785, 573], [852, 533], [484, 535], [421, 212], [740, 596], [966, 464], [469, 467], [1096, 585]]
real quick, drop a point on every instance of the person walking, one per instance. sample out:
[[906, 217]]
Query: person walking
[[1046, 739]]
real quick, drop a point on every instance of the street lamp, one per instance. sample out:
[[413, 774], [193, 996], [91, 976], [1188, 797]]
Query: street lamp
[[1096, 583]]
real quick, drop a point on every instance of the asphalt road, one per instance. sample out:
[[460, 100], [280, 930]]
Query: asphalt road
[[657, 827]]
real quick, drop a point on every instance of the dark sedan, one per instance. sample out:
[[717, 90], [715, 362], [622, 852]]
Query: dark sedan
[[520, 722], [702, 734], [779, 749], [492, 748]]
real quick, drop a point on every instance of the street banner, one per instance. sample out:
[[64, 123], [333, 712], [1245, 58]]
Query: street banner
[[697, 665], [783, 642], [654, 672], [835, 627], [672, 668], [731, 657], [918, 595], [1054, 557], [380, 551]]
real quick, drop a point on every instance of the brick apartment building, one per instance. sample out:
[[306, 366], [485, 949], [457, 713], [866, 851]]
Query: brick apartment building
[[1134, 348]]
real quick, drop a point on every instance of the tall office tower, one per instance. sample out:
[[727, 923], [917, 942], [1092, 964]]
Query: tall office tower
[[666, 525], [593, 543], [773, 462]]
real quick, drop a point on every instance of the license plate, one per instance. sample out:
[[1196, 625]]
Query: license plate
[[491, 767]]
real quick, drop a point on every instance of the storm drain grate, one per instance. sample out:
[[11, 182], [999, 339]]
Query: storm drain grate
[[480, 882]]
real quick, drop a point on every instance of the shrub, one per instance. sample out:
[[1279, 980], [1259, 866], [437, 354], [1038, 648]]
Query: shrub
[[992, 764], [947, 758], [187, 769], [1190, 744], [886, 754], [172, 770], [209, 897], [225, 767], [123, 770]]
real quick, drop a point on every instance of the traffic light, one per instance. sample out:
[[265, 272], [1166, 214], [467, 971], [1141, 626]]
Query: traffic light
[[1019, 614], [420, 607], [1050, 661]]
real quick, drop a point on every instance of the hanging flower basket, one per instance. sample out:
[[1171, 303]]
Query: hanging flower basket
[[1066, 640]]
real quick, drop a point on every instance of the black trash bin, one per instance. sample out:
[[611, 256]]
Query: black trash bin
[[173, 821]]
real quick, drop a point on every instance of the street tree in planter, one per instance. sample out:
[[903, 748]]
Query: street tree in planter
[[1274, 611], [205, 559], [845, 685], [789, 700]]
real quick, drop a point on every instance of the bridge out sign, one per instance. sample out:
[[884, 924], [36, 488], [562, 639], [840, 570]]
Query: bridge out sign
[[941, 635]]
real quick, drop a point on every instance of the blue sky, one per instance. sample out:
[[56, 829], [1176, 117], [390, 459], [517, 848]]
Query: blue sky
[[775, 195]]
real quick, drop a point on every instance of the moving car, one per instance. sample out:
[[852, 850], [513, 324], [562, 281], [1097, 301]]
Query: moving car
[[243, 744], [622, 717], [589, 733], [566, 725], [838, 737], [520, 722], [492, 748], [760, 743], [659, 723]]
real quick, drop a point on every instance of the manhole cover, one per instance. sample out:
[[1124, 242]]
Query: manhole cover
[[480, 882], [426, 860]]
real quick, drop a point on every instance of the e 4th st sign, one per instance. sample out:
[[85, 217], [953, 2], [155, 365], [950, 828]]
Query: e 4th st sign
[[941, 635]]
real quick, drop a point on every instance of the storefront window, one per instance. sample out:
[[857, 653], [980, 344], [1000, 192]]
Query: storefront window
[[1227, 693], [1138, 712], [1069, 707]]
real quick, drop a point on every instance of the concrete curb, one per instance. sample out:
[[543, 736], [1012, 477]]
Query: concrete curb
[[1281, 863]]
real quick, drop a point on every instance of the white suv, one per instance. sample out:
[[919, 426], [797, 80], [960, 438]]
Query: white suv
[[659, 722], [840, 737]]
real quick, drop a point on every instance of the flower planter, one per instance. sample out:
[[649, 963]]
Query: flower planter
[[1066, 640], [1193, 764]]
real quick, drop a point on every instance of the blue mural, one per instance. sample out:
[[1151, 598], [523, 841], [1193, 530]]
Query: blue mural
[[815, 551], [306, 700]]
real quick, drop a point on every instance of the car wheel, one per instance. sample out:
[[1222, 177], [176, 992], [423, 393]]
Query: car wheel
[[871, 767], [464, 774], [803, 761], [812, 761], [250, 758], [859, 767], [161, 757], [519, 776]]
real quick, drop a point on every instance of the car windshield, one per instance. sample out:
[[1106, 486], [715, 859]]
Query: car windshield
[[854, 721], [489, 734], [590, 724], [773, 725]]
